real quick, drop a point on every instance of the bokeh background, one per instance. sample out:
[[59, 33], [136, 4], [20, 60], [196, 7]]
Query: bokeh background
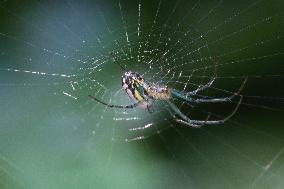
[[50, 50]]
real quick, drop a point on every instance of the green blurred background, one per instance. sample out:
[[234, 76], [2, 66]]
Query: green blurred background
[[51, 141]]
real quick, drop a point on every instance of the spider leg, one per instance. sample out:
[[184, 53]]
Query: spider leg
[[115, 106], [189, 95], [226, 99], [180, 120], [151, 105], [198, 123], [201, 88]]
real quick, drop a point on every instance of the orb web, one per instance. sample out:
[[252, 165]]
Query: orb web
[[70, 50]]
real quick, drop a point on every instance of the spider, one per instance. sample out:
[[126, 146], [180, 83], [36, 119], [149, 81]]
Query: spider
[[144, 95]]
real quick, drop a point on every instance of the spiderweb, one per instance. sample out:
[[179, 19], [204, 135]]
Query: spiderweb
[[55, 54]]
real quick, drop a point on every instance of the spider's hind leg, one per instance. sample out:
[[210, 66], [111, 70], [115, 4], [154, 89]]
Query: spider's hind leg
[[112, 105]]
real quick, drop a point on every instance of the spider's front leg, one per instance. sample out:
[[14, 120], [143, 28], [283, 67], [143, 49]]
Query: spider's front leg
[[184, 119], [190, 96], [198, 123], [187, 96], [180, 120], [201, 88], [226, 99]]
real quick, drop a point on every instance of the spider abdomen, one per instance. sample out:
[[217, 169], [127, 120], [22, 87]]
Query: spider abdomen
[[139, 90]]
